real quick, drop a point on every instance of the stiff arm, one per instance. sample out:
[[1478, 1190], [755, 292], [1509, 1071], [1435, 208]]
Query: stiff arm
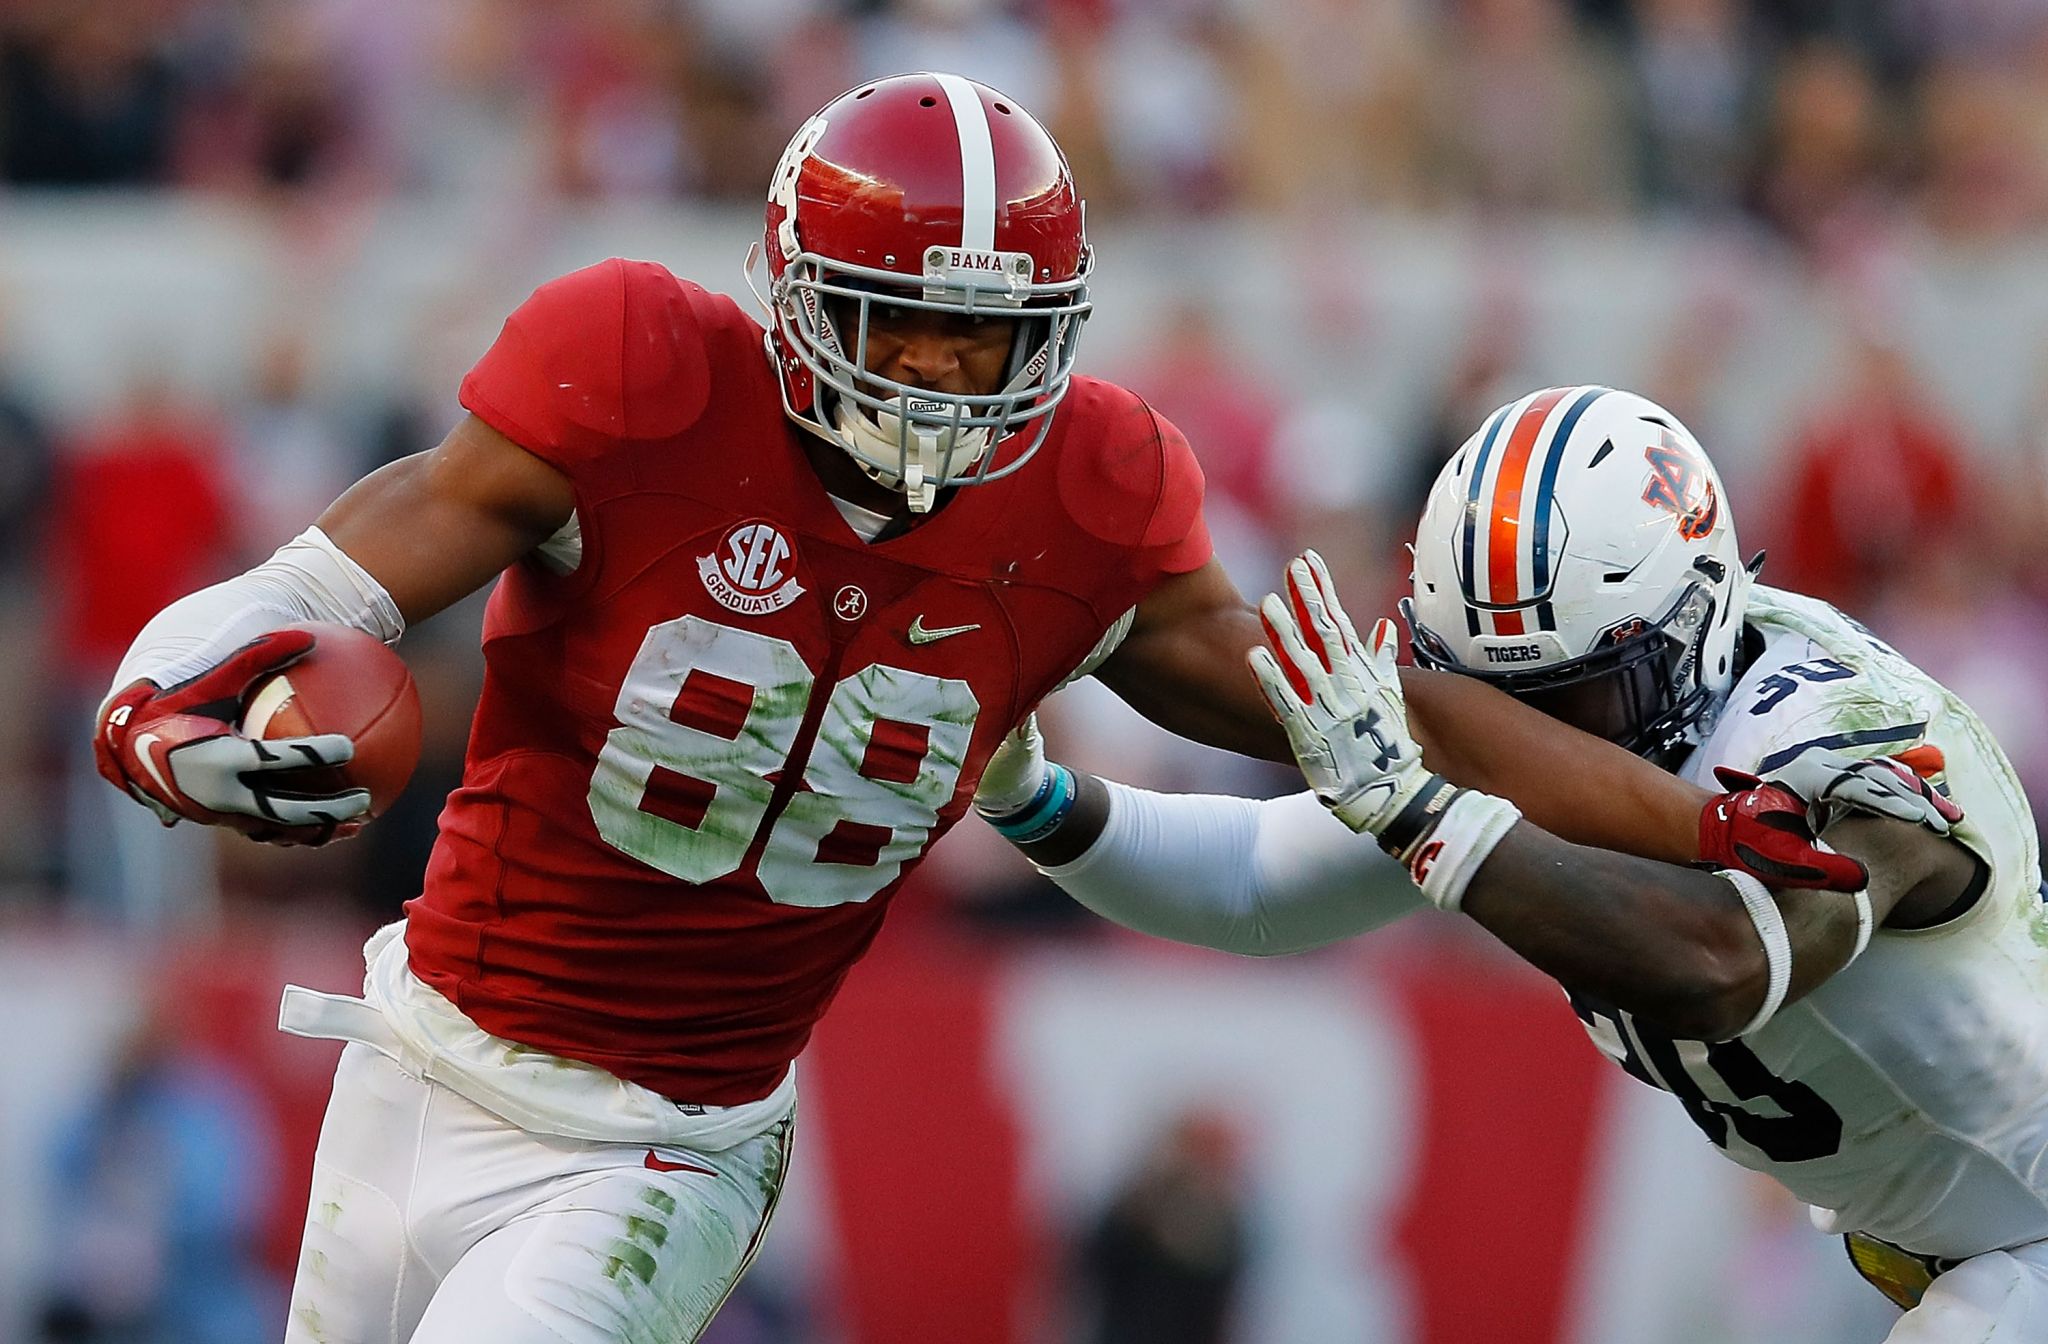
[[1673, 945], [1183, 667]]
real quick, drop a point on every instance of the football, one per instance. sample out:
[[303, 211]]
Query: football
[[350, 683]]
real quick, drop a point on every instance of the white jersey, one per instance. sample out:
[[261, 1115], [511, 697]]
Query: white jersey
[[1906, 1097]]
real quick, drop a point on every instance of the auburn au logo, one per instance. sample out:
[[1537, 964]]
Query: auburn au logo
[[1679, 482]]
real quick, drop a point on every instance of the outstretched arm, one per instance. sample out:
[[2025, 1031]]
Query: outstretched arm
[[1682, 948], [1260, 878], [1696, 953], [1182, 666], [1568, 782], [1685, 949], [1705, 955]]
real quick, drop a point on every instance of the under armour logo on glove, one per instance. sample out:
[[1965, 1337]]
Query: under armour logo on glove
[[1339, 698], [1385, 754]]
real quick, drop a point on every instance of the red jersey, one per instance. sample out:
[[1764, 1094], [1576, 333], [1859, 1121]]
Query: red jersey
[[704, 760]]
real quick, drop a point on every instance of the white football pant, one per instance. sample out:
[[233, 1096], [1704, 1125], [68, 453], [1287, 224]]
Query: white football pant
[[433, 1220], [2000, 1297]]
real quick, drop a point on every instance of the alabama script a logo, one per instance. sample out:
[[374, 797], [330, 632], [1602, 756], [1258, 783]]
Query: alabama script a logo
[[752, 570]]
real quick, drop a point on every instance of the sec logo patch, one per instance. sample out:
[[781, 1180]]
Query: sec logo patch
[[752, 570]]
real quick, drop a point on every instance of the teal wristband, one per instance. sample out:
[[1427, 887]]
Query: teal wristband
[[1044, 813]]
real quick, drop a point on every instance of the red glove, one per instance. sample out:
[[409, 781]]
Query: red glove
[[1762, 831], [178, 751], [1768, 828]]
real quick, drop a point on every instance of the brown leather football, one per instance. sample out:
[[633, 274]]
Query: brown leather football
[[350, 683]]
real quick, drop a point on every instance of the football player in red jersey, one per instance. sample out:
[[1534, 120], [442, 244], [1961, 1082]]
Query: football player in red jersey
[[770, 598]]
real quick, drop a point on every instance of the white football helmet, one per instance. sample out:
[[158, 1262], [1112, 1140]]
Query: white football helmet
[[1578, 553]]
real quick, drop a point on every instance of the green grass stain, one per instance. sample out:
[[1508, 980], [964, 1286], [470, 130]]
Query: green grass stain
[[660, 1199], [647, 1229], [626, 1258], [309, 1317]]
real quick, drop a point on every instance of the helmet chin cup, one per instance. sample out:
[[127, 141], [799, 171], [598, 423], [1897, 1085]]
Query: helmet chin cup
[[902, 454]]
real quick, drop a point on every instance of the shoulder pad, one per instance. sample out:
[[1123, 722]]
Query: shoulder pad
[[1127, 476], [609, 353]]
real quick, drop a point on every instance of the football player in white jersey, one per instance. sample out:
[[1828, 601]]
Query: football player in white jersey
[[1884, 1055]]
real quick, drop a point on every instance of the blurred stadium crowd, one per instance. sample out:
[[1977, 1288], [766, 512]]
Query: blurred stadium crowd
[[1848, 140], [1813, 116]]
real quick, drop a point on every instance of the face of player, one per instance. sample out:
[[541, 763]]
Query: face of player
[[942, 352]]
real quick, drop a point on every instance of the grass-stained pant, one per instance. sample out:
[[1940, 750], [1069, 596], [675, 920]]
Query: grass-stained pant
[[433, 1220]]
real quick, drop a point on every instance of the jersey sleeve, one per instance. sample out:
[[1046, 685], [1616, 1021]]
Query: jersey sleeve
[[607, 355]]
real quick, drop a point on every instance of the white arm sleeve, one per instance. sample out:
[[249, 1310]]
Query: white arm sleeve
[[308, 579], [1258, 878]]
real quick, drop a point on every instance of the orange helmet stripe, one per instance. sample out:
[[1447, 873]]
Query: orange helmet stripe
[[1504, 526]]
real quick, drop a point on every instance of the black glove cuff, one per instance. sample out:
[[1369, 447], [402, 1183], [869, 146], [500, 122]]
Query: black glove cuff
[[1415, 821]]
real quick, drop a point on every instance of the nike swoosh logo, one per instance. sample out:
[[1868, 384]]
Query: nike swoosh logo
[[143, 742], [921, 634], [654, 1163]]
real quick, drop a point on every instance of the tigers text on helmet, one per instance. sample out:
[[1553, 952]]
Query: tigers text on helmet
[[1578, 553], [923, 192]]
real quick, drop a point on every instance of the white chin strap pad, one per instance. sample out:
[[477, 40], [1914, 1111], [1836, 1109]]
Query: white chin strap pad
[[874, 442]]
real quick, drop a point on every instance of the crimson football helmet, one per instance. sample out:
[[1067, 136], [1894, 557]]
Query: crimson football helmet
[[935, 193]]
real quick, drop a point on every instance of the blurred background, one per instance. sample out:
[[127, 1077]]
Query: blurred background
[[247, 248]]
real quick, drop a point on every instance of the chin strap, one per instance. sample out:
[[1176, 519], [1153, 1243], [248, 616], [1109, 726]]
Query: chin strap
[[921, 493], [869, 443]]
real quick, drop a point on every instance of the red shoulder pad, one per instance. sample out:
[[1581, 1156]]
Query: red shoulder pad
[[611, 353], [1128, 476]]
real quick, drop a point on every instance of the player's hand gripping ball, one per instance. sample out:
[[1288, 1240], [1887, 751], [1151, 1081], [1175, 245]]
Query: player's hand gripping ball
[[296, 739]]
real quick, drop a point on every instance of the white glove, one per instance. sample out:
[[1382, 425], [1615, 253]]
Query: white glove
[[1015, 773], [1339, 698], [1834, 784]]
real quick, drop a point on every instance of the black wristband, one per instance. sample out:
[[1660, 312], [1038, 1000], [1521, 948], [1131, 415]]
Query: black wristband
[[1419, 817]]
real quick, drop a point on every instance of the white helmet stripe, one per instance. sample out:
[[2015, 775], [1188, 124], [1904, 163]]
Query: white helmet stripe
[[977, 165]]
